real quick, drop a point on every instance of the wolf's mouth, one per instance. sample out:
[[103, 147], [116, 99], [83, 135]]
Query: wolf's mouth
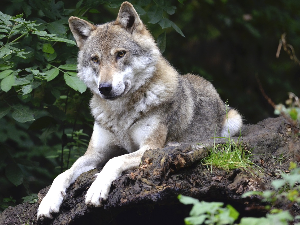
[[110, 97], [127, 84], [113, 97]]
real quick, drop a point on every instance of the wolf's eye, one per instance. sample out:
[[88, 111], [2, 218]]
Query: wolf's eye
[[120, 54], [95, 59]]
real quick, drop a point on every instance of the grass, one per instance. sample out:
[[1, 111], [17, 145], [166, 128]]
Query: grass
[[228, 156]]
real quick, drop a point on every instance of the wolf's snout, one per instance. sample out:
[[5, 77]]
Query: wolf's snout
[[105, 88]]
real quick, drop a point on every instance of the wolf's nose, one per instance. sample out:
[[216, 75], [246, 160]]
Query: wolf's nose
[[105, 88]]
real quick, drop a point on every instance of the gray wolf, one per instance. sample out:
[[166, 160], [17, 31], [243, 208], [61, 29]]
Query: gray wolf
[[139, 102]]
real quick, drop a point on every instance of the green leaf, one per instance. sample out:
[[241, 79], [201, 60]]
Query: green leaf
[[165, 23], [57, 28], [143, 2], [140, 10], [4, 67], [23, 80], [196, 219], [41, 33], [26, 8], [5, 73], [161, 42], [47, 133], [50, 57], [203, 207], [47, 48], [5, 51], [33, 198], [170, 9], [155, 14], [4, 111], [68, 67], [94, 11], [78, 4], [278, 183], [283, 216], [14, 174], [75, 83], [62, 40], [26, 89], [52, 156], [7, 83], [294, 114], [232, 212], [187, 200], [267, 194], [22, 114], [35, 72], [177, 29], [291, 178], [293, 165], [254, 221], [250, 193], [51, 74]]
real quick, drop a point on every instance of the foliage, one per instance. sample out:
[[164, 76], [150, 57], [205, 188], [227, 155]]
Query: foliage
[[280, 218], [293, 103], [229, 156], [213, 213], [7, 202], [27, 97], [33, 198], [286, 188], [208, 212], [292, 109]]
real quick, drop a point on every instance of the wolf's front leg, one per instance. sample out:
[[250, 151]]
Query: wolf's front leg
[[99, 189], [149, 135], [99, 151], [52, 201]]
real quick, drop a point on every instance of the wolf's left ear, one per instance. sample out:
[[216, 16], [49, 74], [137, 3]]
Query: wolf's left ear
[[81, 29], [128, 18]]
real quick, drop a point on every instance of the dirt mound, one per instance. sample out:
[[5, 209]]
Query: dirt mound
[[148, 195]]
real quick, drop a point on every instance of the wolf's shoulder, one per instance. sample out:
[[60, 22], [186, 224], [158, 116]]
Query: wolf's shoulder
[[198, 83]]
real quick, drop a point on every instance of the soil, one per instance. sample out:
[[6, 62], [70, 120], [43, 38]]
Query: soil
[[148, 194]]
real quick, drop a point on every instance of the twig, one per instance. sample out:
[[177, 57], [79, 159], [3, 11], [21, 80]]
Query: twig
[[294, 123], [289, 49]]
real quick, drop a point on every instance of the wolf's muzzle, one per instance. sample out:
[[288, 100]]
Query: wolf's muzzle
[[105, 89]]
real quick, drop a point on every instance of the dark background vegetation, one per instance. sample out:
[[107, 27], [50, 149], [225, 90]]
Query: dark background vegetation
[[229, 42]]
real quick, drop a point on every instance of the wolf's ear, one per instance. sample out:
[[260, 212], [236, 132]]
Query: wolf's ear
[[128, 18], [81, 29]]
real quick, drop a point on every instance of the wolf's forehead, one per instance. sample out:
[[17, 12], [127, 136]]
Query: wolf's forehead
[[109, 36]]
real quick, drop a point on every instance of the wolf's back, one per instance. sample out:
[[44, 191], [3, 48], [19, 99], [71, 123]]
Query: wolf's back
[[196, 112]]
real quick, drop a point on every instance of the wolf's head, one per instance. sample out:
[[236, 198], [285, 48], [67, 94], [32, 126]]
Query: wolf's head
[[117, 57]]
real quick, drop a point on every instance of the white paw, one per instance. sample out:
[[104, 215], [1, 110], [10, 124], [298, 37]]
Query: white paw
[[50, 203], [98, 191]]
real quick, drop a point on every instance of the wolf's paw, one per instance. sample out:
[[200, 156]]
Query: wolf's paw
[[50, 204], [98, 192]]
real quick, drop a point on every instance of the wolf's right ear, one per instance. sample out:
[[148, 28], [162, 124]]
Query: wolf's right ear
[[81, 29], [128, 18]]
